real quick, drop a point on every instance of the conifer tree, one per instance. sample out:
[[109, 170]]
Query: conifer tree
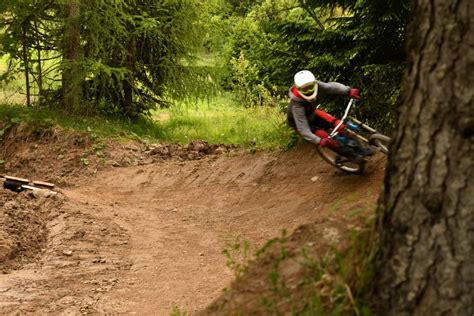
[[71, 48], [147, 58], [21, 39], [117, 56]]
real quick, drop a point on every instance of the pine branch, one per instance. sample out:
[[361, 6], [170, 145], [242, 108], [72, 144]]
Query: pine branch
[[308, 9]]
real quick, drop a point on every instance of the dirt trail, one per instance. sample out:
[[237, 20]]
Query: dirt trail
[[145, 238]]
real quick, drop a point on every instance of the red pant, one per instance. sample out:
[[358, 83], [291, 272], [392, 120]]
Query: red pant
[[323, 134], [334, 122]]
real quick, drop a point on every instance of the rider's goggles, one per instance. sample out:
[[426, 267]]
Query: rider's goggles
[[307, 90]]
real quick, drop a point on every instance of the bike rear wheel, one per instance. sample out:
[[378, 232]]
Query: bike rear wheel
[[380, 141], [344, 164]]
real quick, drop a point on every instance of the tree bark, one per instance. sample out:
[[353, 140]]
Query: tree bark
[[71, 76], [40, 68], [127, 105], [26, 60], [426, 214]]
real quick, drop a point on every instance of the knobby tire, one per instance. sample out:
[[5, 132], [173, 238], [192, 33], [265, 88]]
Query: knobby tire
[[380, 141], [346, 165]]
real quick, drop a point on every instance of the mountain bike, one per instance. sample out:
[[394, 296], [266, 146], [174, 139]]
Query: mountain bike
[[360, 141]]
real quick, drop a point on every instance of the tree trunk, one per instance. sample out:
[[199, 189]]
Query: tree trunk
[[40, 68], [26, 60], [127, 105], [71, 76], [426, 214]]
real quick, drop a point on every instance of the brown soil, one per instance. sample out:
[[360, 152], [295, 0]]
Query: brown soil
[[140, 228]]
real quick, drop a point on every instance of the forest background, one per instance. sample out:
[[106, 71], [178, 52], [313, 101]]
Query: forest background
[[216, 70]]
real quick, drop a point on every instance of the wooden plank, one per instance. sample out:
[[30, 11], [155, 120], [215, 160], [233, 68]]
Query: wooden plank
[[29, 187], [43, 184], [39, 192], [15, 179]]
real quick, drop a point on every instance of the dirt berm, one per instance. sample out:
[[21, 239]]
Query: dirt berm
[[141, 228]]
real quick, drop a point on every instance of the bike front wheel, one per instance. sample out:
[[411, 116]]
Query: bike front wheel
[[342, 163], [380, 141]]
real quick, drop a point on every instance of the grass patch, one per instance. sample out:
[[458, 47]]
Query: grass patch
[[10, 90], [97, 126], [217, 121], [3, 63], [222, 120]]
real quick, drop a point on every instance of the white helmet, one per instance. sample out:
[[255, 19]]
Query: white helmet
[[306, 84]]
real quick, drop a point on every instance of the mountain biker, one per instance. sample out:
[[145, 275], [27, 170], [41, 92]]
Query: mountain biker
[[312, 123]]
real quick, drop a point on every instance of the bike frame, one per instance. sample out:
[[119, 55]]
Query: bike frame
[[346, 113], [351, 103], [374, 140]]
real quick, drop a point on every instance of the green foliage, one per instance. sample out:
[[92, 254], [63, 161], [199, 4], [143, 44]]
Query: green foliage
[[138, 55], [241, 7], [338, 281], [250, 90], [333, 283], [149, 57], [238, 256], [134, 55], [358, 43], [176, 311], [27, 38]]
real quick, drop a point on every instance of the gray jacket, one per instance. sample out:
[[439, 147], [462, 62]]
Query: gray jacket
[[300, 112]]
